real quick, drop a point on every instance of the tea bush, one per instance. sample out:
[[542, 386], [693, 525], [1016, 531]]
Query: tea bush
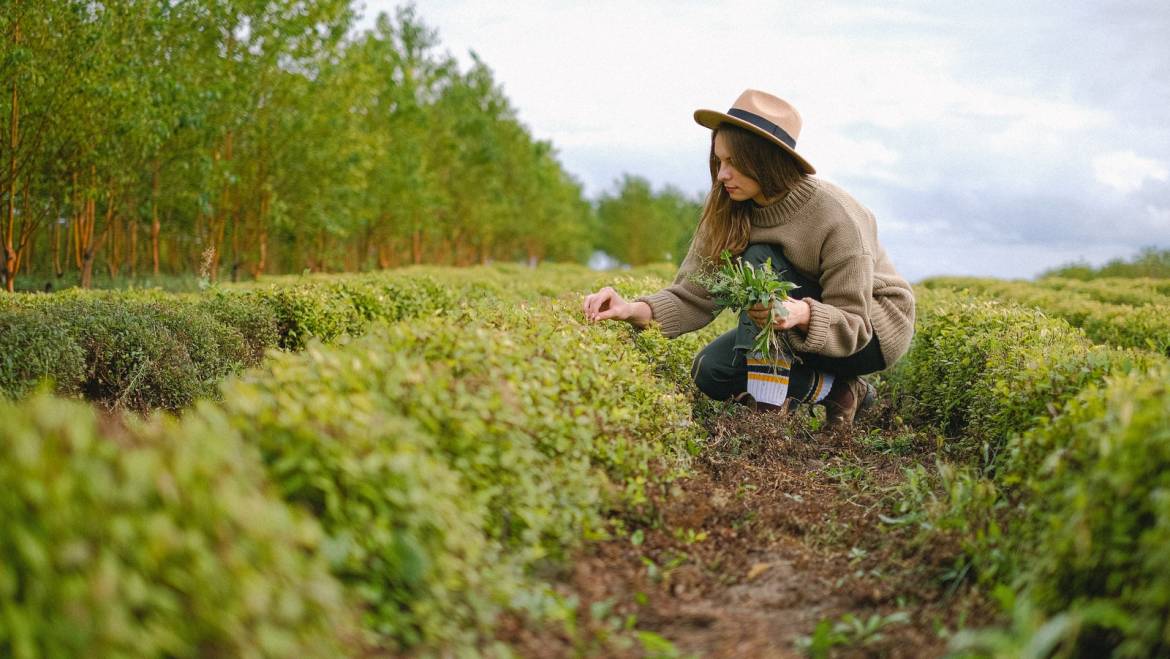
[[449, 457], [36, 346], [984, 370], [138, 343], [404, 533], [1096, 482], [161, 538], [1144, 326], [1066, 500]]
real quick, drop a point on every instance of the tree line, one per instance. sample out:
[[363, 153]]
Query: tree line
[[242, 137]]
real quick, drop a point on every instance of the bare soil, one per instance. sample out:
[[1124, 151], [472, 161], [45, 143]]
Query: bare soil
[[777, 531]]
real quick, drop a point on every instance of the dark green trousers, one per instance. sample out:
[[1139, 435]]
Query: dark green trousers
[[720, 369]]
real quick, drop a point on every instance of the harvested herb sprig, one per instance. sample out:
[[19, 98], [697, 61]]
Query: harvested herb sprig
[[737, 285]]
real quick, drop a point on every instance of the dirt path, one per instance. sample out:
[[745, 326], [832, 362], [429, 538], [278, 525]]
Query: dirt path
[[776, 533]]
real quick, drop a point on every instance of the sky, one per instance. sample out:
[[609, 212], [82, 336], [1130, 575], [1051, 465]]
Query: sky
[[989, 138]]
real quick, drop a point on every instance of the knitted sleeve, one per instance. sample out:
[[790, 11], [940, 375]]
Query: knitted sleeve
[[840, 322], [684, 306]]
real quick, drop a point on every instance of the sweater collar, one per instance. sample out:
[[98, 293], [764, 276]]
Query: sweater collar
[[780, 212]]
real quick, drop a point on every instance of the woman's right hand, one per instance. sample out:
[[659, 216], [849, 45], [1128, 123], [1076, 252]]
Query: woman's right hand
[[606, 304]]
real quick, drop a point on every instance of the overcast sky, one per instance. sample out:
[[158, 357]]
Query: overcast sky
[[990, 138]]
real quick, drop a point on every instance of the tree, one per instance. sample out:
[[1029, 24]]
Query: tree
[[638, 225]]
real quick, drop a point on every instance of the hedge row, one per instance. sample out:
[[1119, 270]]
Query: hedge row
[[443, 463], [1067, 498], [147, 349], [1145, 326], [1114, 290], [163, 538]]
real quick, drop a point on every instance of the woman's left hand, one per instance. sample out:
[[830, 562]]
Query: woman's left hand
[[799, 313]]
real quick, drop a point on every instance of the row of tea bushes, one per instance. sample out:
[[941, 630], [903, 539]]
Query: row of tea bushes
[[1134, 291], [1145, 325], [147, 349], [1064, 453], [448, 457], [157, 538], [138, 351], [444, 463], [144, 350], [1094, 485], [985, 370]]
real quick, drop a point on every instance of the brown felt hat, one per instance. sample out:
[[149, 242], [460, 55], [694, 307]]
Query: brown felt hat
[[771, 118]]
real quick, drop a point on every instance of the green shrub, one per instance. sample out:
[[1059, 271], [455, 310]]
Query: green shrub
[[35, 346], [1144, 325], [404, 534], [132, 358], [158, 539], [306, 312], [984, 370], [450, 456], [255, 324], [1096, 482]]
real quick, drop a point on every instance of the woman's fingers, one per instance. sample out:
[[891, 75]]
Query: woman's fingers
[[601, 302], [593, 303]]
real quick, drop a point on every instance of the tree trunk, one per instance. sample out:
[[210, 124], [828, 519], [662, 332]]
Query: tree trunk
[[57, 271], [155, 227], [11, 258], [132, 226], [75, 227], [89, 246], [114, 254], [223, 213]]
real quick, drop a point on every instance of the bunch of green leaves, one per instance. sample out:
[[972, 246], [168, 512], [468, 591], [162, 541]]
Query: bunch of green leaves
[[738, 285]]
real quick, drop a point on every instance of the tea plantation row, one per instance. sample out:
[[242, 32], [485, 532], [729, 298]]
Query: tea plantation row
[[402, 489], [1062, 493], [1121, 312], [394, 491], [144, 350]]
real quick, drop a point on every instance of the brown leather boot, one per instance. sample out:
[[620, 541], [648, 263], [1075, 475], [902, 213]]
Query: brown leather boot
[[847, 398]]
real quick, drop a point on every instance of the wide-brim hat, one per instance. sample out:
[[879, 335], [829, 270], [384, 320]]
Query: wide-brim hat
[[768, 116]]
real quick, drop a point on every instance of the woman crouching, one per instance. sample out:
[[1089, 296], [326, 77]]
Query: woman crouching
[[851, 314]]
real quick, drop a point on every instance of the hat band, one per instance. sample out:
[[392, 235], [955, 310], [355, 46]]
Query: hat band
[[764, 125]]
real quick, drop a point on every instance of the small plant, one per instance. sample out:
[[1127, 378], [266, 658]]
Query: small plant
[[738, 285], [848, 631], [205, 267]]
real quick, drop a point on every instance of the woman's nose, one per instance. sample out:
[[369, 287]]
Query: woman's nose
[[724, 173]]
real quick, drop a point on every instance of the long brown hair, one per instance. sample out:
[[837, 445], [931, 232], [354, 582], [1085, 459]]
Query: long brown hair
[[725, 224]]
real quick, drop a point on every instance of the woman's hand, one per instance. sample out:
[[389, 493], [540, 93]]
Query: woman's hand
[[606, 304], [799, 313]]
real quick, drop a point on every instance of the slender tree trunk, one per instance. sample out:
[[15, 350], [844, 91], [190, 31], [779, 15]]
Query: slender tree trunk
[[75, 227], [57, 272], [262, 239], [114, 254], [11, 258], [155, 227], [132, 226], [90, 247], [223, 213]]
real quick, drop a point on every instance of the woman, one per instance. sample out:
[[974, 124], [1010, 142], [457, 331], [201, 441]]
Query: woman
[[852, 314]]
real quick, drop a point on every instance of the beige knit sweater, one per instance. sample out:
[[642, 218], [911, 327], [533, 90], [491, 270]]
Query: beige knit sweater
[[827, 236]]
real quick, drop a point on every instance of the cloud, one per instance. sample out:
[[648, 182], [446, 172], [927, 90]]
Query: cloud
[[979, 133], [1126, 171]]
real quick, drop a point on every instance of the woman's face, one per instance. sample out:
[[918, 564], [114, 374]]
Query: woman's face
[[738, 186]]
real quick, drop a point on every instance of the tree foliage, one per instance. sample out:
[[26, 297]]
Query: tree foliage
[[260, 136], [638, 225]]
